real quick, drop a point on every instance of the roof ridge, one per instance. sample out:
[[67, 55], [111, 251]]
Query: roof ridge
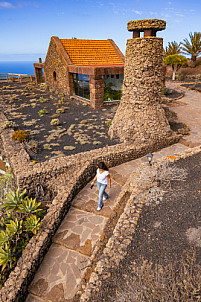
[[92, 52]]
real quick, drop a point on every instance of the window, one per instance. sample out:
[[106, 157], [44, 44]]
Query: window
[[81, 85], [113, 87]]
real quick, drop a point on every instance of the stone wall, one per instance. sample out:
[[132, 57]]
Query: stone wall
[[64, 177], [56, 75]]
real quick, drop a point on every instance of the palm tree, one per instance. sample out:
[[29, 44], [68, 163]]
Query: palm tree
[[173, 48], [176, 61], [192, 47]]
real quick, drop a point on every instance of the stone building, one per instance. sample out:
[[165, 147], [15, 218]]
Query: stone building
[[82, 68], [140, 117]]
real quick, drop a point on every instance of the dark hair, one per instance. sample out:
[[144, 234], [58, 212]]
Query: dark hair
[[102, 166]]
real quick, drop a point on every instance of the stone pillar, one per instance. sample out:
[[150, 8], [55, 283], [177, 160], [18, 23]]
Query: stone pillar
[[96, 84], [69, 85], [38, 75], [140, 117], [38, 68]]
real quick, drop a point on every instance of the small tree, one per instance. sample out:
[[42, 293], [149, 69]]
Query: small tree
[[173, 48], [176, 61], [192, 47]]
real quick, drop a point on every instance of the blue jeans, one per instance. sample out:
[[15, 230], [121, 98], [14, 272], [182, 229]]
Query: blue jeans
[[101, 189]]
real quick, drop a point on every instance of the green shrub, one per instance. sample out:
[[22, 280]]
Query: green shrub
[[8, 124], [111, 94], [55, 122], [32, 146], [42, 99], [60, 110], [6, 183], [20, 220], [20, 135], [61, 101], [42, 111], [109, 123]]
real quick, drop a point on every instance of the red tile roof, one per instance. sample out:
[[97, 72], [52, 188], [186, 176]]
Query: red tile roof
[[91, 52]]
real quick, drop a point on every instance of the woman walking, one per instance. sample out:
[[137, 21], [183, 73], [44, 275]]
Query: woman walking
[[103, 179]]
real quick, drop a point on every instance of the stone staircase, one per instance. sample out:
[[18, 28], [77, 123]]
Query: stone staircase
[[58, 277]]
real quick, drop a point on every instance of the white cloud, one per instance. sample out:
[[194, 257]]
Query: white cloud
[[27, 3], [137, 12], [179, 15], [6, 5], [153, 13], [100, 3]]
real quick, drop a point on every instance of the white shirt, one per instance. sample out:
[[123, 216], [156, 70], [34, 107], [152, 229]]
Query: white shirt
[[102, 177]]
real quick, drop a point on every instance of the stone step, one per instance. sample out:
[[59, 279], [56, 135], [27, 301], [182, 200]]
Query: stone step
[[58, 276], [80, 231], [87, 199]]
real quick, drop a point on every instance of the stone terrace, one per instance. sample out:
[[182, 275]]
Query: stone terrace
[[83, 226], [86, 233]]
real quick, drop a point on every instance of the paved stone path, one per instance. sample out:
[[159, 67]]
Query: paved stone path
[[189, 113], [60, 273], [58, 277]]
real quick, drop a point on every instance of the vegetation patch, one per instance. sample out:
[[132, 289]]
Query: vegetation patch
[[69, 147], [55, 122], [70, 112], [42, 112], [8, 124], [20, 220], [20, 135], [30, 123]]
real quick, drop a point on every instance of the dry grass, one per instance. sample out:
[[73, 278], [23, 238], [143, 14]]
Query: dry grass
[[157, 179], [179, 282]]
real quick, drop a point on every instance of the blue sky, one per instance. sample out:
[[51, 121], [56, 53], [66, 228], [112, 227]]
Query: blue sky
[[27, 26]]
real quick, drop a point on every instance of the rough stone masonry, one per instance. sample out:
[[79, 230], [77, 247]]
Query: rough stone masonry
[[140, 118]]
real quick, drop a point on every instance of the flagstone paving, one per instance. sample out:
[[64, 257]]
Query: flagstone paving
[[80, 230], [59, 273], [58, 277], [87, 199], [189, 112]]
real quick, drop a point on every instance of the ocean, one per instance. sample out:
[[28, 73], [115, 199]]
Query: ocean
[[19, 67]]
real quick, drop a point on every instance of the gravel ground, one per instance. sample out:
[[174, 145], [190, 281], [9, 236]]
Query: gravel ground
[[193, 86], [81, 128], [165, 232]]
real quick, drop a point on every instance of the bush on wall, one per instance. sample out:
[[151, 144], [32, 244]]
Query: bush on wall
[[20, 220]]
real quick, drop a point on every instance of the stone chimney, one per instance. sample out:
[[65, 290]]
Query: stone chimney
[[140, 118]]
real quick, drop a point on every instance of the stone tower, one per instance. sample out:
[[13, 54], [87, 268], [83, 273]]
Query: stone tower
[[140, 117]]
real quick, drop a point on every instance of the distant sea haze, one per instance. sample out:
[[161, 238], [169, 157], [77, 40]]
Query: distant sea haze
[[19, 67]]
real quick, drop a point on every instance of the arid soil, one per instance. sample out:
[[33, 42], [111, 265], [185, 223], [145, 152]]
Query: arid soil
[[80, 128], [165, 234]]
